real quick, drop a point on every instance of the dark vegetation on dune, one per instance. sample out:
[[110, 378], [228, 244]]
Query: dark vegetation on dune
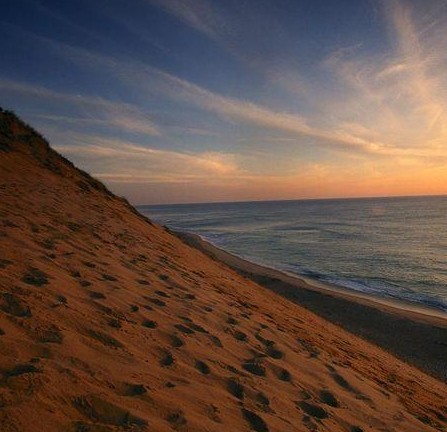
[[32, 141]]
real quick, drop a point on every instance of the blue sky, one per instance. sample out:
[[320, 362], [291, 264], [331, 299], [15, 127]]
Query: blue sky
[[200, 100]]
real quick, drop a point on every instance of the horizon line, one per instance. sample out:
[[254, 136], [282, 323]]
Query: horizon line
[[292, 199]]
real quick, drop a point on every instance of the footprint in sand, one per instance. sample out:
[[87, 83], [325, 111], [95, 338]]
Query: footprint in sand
[[176, 419], [113, 322], [307, 421], [256, 422], [313, 410], [342, 382], [235, 388], [167, 360], [270, 348], [232, 321], [35, 277], [142, 282], [263, 340], [134, 389], [12, 305], [202, 367], [284, 375], [157, 302], [184, 329], [240, 336], [108, 277], [191, 325], [149, 324], [198, 328], [304, 395], [105, 339], [273, 352], [96, 295], [216, 341], [329, 399], [254, 367], [263, 400], [176, 342]]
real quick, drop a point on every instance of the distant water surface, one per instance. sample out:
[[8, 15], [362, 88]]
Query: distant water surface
[[389, 247]]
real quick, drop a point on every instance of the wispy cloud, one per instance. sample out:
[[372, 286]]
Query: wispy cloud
[[382, 130], [198, 14], [246, 30], [33, 6], [419, 56], [123, 161], [144, 78], [92, 109], [396, 101], [400, 95], [343, 135]]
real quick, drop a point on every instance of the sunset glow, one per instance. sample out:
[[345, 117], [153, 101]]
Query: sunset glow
[[194, 101]]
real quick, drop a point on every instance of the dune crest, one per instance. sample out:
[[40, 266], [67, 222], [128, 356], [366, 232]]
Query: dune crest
[[108, 322]]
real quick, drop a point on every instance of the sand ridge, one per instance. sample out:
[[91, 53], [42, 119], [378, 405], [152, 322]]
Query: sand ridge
[[110, 323]]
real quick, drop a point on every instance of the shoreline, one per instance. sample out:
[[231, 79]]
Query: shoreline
[[413, 333]]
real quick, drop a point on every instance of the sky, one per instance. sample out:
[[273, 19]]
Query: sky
[[172, 101]]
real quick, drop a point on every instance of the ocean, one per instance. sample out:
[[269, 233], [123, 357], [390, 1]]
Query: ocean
[[388, 247]]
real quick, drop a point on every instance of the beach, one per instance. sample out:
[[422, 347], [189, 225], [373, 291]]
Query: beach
[[415, 334], [110, 322]]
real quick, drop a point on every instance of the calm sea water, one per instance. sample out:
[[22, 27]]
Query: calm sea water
[[389, 247]]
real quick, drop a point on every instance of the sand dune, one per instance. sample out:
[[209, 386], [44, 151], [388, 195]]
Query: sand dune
[[110, 323]]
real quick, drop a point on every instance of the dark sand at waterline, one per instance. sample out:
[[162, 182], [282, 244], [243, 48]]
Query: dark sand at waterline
[[417, 335]]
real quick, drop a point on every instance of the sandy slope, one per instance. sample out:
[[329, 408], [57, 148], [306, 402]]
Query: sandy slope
[[411, 332], [108, 322]]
